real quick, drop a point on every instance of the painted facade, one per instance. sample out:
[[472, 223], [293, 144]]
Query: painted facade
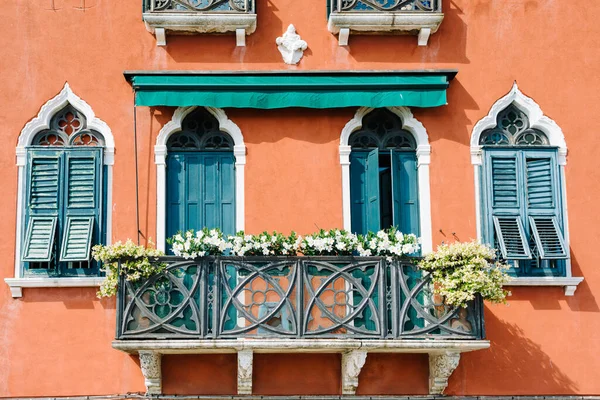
[[56, 341]]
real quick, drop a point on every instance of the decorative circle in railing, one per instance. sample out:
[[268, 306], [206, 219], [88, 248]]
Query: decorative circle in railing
[[200, 132], [68, 127], [382, 129], [513, 129]]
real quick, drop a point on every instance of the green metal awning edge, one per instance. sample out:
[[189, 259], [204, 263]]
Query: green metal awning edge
[[283, 89]]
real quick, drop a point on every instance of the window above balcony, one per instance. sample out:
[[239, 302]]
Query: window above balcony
[[164, 17], [385, 17]]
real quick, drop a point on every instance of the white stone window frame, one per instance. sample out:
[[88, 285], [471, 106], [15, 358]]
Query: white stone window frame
[[160, 159], [423, 151], [537, 120], [32, 128]]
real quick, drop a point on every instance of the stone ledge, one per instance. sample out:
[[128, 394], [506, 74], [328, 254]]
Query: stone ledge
[[569, 283], [423, 24], [198, 23], [17, 284], [140, 396], [165, 346]]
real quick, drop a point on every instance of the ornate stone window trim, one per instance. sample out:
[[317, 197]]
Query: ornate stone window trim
[[38, 124], [160, 156], [423, 150], [556, 138]]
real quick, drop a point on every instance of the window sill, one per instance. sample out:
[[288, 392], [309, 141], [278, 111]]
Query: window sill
[[569, 283], [17, 284], [385, 23]]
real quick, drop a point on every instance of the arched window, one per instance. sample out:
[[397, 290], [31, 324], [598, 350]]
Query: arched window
[[383, 175], [65, 201], [200, 176], [523, 202]]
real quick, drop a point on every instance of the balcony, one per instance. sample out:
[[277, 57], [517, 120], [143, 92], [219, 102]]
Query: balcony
[[199, 16], [348, 305], [412, 17]]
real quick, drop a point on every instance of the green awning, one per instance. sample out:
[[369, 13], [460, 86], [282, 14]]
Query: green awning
[[268, 90]]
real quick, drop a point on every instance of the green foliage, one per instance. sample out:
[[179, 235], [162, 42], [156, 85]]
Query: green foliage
[[461, 270], [136, 264]]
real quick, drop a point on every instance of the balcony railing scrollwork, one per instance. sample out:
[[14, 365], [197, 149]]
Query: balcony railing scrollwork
[[294, 298], [388, 5]]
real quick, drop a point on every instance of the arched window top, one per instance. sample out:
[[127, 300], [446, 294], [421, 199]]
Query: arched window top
[[513, 129], [200, 131], [68, 127], [382, 129]]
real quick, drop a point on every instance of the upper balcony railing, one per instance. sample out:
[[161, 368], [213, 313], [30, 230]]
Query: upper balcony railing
[[295, 298], [239, 6], [408, 6], [200, 17]]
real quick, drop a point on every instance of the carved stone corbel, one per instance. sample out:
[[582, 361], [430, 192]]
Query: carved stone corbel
[[150, 365], [352, 363], [441, 366], [244, 380]]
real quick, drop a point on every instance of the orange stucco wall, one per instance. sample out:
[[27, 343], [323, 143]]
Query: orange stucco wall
[[57, 341]]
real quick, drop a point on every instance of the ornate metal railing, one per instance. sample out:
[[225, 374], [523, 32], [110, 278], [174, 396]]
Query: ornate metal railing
[[240, 6], [408, 6], [300, 297]]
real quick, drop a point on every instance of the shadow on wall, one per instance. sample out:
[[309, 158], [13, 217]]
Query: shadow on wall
[[514, 364], [447, 45], [76, 298], [214, 48]]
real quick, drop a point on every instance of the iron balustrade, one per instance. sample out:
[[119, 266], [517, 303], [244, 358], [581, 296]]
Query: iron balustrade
[[290, 297], [408, 6], [216, 6]]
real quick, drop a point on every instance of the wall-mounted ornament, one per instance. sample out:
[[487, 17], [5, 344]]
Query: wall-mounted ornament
[[291, 46]]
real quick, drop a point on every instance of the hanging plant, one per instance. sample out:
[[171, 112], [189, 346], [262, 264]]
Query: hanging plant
[[137, 263], [459, 271]]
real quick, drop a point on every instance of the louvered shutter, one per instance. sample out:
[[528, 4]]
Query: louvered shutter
[[507, 208], [543, 205], [82, 208], [43, 205], [405, 191]]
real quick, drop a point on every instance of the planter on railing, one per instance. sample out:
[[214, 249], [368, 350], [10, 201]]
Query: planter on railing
[[295, 297]]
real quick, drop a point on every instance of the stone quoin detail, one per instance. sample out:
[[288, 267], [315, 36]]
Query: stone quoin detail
[[150, 365], [244, 378], [441, 366], [352, 363], [291, 46]]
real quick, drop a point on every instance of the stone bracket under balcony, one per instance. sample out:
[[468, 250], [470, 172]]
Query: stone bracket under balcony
[[384, 23], [444, 355], [163, 23]]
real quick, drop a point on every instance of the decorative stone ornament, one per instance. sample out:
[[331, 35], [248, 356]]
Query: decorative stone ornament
[[245, 361], [291, 46], [441, 366], [150, 365], [352, 363]]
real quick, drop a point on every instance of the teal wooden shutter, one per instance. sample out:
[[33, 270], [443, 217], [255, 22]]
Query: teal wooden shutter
[[364, 191], [405, 191], [543, 205], [507, 208], [43, 204], [200, 192], [82, 209], [372, 194], [227, 193]]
